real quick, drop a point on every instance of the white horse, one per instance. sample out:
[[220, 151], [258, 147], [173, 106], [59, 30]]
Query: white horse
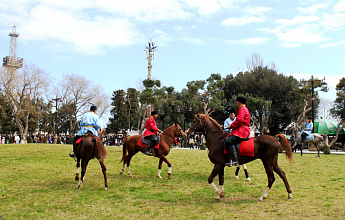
[[316, 138]]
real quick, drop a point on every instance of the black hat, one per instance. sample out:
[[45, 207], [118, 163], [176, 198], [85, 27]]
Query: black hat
[[93, 108], [232, 111], [310, 118], [154, 113], [241, 99]]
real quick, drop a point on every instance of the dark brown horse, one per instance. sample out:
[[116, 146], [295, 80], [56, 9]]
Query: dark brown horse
[[90, 147], [166, 140], [265, 147]]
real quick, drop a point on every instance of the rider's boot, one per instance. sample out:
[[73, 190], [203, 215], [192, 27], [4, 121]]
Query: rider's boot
[[148, 149], [233, 156], [74, 154]]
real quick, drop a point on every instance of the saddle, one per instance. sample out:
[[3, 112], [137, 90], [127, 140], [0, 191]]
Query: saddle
[[143, 142], [245, 148]]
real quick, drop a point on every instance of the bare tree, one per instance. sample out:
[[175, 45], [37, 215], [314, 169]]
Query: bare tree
[[256, 61], [324, 109], [22, 89], [78, 94]]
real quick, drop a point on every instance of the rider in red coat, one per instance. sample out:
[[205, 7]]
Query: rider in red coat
[[240, 131], [151, 132]]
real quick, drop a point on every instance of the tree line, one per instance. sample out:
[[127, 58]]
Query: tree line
[[30, 102]]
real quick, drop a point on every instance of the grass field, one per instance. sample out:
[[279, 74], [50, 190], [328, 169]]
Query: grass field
[[37, 182]]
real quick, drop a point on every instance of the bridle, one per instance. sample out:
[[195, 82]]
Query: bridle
[[177, 129], [205, 130]]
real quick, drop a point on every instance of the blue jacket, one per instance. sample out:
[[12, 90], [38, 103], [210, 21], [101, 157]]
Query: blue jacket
[[227, 123], [89, 121], [309, 127]]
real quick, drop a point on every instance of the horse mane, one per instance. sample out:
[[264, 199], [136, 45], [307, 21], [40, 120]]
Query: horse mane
[[207, 117]]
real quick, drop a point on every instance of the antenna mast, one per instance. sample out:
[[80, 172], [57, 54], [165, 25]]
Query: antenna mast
[[12, 61], [150, 54]]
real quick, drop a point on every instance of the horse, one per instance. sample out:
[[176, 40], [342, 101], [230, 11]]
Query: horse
[[316, 138], [166, 140], [90, 147], [265, 147]]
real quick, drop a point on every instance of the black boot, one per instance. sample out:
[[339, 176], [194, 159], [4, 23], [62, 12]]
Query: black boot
[[74, 154], [148, 150], [233, 156]]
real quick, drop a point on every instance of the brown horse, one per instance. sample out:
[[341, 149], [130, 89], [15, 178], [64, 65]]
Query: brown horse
[[265, 147], [167, 139], [90, 147]]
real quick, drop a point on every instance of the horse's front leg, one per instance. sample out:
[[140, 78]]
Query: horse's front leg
[[217, 169], [161, 160], [104, 171], [83, 171], [77, 173]]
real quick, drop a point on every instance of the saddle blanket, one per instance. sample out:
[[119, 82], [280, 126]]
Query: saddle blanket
[[79, 140], [309, 137], [141, 144], [246, 148]]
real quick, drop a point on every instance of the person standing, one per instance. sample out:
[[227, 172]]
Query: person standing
[[240, 131], [89, 122], [151, 132]]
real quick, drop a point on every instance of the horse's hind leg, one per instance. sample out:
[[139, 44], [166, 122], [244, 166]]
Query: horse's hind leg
[[77, 173], [104, 170], [282, 175], [83, 171]]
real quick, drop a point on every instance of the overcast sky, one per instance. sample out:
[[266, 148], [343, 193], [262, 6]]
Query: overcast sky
[[105, 40]]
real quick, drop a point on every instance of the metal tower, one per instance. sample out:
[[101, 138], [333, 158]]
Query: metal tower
[[12, 60], [150, 54]]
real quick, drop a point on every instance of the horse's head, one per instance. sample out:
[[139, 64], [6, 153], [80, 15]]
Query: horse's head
[[178, 131], [197, 123]]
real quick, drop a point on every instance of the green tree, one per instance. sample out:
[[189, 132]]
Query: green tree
[[338, 109], [132, 102], [7, 124], [118, 119]]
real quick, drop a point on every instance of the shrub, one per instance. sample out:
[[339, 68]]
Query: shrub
[[203, 146], [10, 141], [58, 141], [45, 140], [326, 150], [118, 143], [29, 140]]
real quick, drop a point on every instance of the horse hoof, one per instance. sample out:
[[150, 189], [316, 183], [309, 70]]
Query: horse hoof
[[106, 188], [290, 196], [76, 178], [217, 197], [130, 175], [121, 172], [160, 177], [248, 179], [236, 177], [169, 177]]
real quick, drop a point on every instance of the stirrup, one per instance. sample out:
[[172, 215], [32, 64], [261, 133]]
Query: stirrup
[[73, 155], [148, 153], [231, 163]]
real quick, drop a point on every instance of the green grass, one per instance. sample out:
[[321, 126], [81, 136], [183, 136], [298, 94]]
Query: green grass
[[37, 182]]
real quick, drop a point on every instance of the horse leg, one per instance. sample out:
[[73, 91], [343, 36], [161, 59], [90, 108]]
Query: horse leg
[[83, 171], [77, 173], [282, 175], [161, 159], [128, 161], [104, 171], [237, 171], [160, 168], [270, 177], [123, 165], [246, 172], [216, 170]]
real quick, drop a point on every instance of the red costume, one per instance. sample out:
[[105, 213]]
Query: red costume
[[151, 127], [240, 127]]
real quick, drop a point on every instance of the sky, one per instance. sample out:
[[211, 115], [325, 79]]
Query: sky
[[105, 40]]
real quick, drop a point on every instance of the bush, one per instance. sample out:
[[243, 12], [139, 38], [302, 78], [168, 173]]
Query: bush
[[71, 140], [58, 141], [29, 140], [45, 140], [203, 146], [326, 150], [118, 143], [10, 141]]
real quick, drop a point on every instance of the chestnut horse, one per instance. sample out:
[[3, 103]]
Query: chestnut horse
[[90, 147], [167, 139], [265, 147]]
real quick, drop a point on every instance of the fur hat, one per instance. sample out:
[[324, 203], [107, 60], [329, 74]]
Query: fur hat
[[154, 113], [93, 108], [241, 99]]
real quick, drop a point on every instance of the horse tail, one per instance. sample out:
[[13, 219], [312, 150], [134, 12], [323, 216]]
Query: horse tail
[[285, 145], [124, 149]]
